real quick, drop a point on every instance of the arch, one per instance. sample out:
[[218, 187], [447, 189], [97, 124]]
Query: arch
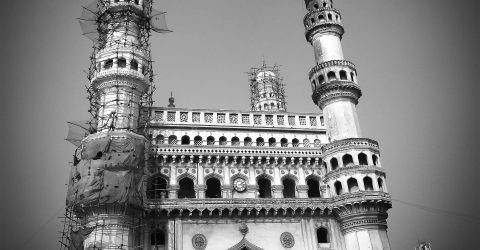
[[172, 139], [334, 163], [317, 143], [288, 188], [306, 143], [185, 140], [235, 141], [321, 78], [222, 140], [313, 188], [121, 62], [265, 106], [264, 187], [272, 105], [331, 76], [284, 142], [134, 64], [295, 143], [375, 160], [260, 142], [315, 6], [247, 141], [338, 188], [186, 188], [210, 140], [312, 20], [368, 183], [272, 142], [352, 76], [157, 187], [322, 235], [380, 184], [330, 17], [321, 18], [157, 237], [352, 185], [214, 189], [160, 139], [347, 160], [343, 75], [324, 4], [198, 140], [108, 64], [362, 159]]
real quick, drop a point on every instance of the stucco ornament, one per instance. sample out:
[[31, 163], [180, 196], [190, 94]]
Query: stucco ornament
[[243, 229], [199, 241], [287, 240]]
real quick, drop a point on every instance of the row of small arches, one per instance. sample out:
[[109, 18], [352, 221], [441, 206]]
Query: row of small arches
[[332, 76], [126, 1], [120, 63], [352, 186], [266, 106], [235, 141], [321, 18], [347, 160], [317, 5]]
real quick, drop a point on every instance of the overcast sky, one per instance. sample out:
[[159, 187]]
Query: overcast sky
[[417, 63]]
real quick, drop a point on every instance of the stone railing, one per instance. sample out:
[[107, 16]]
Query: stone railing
[[351, 143], [354, 169], [118, 71], [217, 118]]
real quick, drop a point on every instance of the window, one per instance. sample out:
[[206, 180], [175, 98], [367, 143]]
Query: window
[[306, 143], [157, 188], [322, 121], [108, 64], [338, 188], [172, 140], [280, 120], [198, 140], [272, 142], [284, 142], [186, 188], [247, 141], [295, 143], [343, 75], [260, 142], [313, 121], [362, 159], [291, 120], [321, 78], [375, 160], [134, 65], [235, 141], [269, 119], [317, 143], [264, 187], [183, 116], [185, 140], [334, 163], [352, 185], [157, 238], [257, 119], [367, 182], [331, 76], [160, 139], [233, 118], [303, 120], [122, 62], [195, 117], [288, 188], [220, 118], [313, 188], [208, 118], [222, 140], [322, 235], [245, 119], [352, 76], [210, 140], [380, 184], [347, 160], [213, 188], [171, 116]]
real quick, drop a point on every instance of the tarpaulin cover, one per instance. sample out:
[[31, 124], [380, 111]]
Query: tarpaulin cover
[[78, 237], [77, 131]]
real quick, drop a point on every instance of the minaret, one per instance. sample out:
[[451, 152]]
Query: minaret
[[267, 89], [104, 189], [354, 172]]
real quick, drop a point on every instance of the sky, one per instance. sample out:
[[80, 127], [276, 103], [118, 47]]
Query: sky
[[417, 64]]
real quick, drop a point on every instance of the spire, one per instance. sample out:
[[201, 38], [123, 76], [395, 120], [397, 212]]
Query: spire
[[267, 89]]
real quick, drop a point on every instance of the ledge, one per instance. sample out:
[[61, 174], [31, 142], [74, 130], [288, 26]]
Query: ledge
[[351, 143]]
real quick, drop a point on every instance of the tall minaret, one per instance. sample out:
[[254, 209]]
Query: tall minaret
[[354, 171], [104, 189], [267, 89]]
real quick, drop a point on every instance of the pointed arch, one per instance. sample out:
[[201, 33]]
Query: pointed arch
[[244, 244]]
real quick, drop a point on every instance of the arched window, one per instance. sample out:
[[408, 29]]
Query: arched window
[[172, 140], [322, 235], [334, 163], [343, 75], [185, 140], [157, 188], [235, 141], [362, 159], [272, 106], [375, 160], [213, 188], [284, 142], [264, 187], [380, 184], [295, 143], [288, 188], [272, 142], [108, 64], [338, 188], [306, 143], [157, 238], [222, 140], [122, 62], [265, 106], [368, 184], [210, 140], [160, 139], [312, 20], [247, 141], [313, 188], [321, 78], [321, 18], [352, 185], [186, 188], [330, 17], [324, 4], [347, 160], [317, 143], [134, 64], [198, 140], [352, 76], [315, 6], [260, 142], [331, 76]]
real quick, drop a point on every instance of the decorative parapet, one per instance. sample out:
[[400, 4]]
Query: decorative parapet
[[336, 89], [351, 143], [325, 20], [118, 72], [329, 64], [263, 206], [335, 174]]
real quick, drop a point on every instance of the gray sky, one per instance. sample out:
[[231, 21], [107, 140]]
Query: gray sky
[[416, 61]]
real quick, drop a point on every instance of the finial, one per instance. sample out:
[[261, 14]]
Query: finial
[[171, 101], [243, 228]]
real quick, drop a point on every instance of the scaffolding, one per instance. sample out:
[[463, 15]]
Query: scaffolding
[[270, 79], [104, 199]]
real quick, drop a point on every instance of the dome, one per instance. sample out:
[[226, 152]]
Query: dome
[[264, 74]]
